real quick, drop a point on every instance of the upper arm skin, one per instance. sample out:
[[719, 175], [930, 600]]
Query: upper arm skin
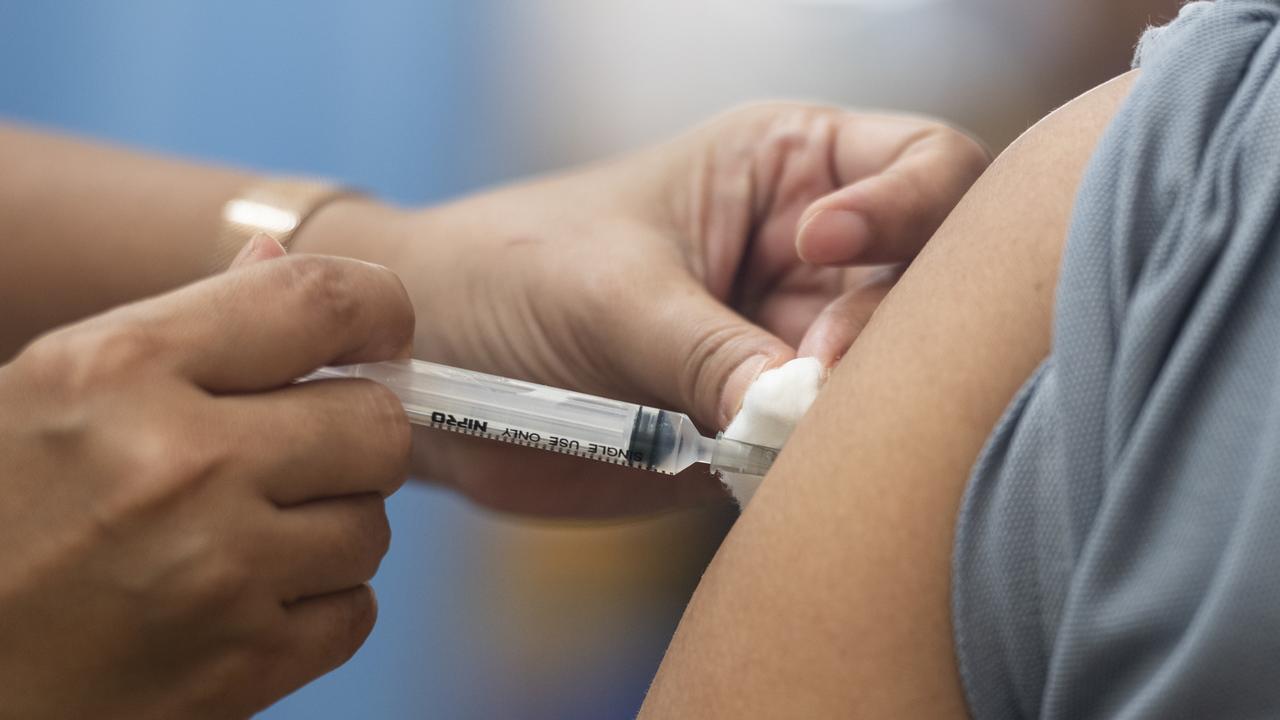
[[831, 596]]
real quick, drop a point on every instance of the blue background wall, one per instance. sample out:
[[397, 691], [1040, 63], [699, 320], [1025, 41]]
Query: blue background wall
[[384, 94]]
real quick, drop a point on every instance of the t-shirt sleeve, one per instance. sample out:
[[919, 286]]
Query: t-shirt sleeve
[[1116, 551]]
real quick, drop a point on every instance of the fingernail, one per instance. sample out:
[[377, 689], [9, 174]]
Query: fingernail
[[833, 237], [736, 386], [247, 251]]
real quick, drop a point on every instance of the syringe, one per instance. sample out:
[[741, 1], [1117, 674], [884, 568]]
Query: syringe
[[548, 418]]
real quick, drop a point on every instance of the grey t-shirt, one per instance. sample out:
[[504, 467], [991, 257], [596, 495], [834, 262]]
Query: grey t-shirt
[[1118, 548]]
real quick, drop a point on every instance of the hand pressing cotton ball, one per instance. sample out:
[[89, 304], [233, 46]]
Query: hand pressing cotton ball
[[773, 405]]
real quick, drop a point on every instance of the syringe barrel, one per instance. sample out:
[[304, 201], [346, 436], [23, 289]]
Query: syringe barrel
[[547, 418], [522, 413]]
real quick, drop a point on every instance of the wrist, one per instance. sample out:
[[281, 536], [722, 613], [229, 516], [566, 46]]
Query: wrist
[[355, 227], [420, 245]]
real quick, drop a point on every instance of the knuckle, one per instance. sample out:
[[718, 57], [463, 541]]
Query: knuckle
[[788, 131], [81, 358], [379, 534], [354, 620], [400, 317], [47, 362], [220, 580], [762, 129], [322, 285], [161, 455], [369, 539], [387, 414], [227, 584], [769, 137], [705, 368], [158, 468], [113, 353]]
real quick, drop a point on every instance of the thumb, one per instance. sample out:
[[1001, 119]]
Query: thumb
[[887, 217], [260, 247], [694, 353]]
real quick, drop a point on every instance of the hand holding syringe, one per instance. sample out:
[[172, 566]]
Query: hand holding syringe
[[552, 419]]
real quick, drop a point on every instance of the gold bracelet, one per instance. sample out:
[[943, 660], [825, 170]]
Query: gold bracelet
[[275, 206]]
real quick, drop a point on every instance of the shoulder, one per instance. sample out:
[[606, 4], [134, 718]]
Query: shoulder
[[831, 595]]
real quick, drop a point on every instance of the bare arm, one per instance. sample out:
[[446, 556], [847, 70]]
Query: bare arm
[[84, 227], [830, 598]]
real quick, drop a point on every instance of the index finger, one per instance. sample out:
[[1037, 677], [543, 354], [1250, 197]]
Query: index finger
[[261, 326]]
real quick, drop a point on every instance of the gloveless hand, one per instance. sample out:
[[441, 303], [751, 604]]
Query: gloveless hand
[[183, 533], [671, 276]]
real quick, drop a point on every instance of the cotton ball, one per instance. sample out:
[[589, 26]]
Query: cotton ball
[[773, 405]]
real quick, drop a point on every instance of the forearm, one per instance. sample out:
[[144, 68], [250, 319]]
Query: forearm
[[830, 597], [86, 226]]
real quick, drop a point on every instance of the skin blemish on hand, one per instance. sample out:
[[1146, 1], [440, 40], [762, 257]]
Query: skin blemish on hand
[[521, 241]]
